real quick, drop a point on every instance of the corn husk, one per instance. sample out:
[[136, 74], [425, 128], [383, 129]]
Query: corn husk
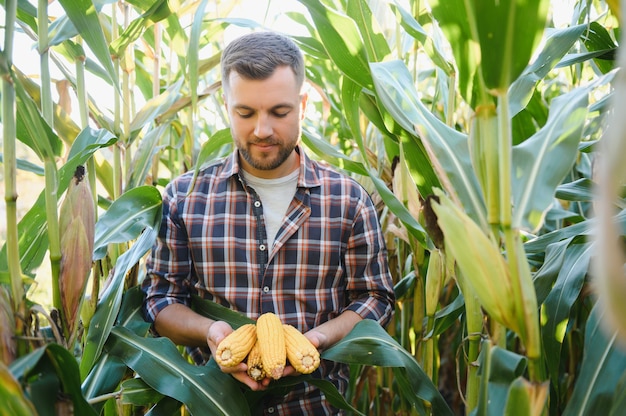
[[77, 227], [7, 329]]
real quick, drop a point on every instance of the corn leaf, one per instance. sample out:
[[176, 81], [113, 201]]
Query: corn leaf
[[448, 148], [57, 364], [603, 366], [557, 307], [159, 363], [342, 41], [127, 217], [109, 304], [369, 344]]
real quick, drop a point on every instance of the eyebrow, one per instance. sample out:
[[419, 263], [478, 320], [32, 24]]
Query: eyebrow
[[274, 108]]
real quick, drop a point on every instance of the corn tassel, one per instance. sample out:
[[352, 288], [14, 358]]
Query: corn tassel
[[301, 353], [271, 338], [77, 227], [234, 348]]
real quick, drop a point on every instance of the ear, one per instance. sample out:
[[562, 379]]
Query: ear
[[303, 101]]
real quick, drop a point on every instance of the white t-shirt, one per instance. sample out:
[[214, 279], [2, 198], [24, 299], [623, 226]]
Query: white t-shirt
[[276, 195]]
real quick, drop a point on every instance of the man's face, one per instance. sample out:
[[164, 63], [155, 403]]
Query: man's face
[[266, 117]]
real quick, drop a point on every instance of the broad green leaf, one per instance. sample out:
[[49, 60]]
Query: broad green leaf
[[53, 358], [416, 30], [127, 217], [369, 344], [603, 365], [342, 41], [329, 153], [507, 32], [218, 312], [14, 402], [536, 247], [110, 300], [448, 149], [579, 190], [598, 39], [498, 370], [136, 391], [376, 46], [455, 21], [157, 11], [143, 157], [541, 162], [558, 43], [159, 363], [557, 307], [32, 129], [105, 376], [84, 17], [480, 261], [549, 269], [156, 106]]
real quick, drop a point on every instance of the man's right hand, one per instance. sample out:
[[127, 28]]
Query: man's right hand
[[216, 333]]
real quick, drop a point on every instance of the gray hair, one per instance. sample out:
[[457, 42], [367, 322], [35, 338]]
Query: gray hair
[[256, 56]]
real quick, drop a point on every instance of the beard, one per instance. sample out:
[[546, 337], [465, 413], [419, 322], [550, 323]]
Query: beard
[[267, 161]]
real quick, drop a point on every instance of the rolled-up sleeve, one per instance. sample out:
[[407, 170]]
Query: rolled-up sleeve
[[370, 285], [169, 266]]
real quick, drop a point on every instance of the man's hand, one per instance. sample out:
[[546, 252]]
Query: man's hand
[[217, 332]]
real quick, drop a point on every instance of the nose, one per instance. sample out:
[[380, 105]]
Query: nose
[[263, 127]]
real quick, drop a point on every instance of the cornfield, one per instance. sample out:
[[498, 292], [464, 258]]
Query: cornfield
[[488, 132]]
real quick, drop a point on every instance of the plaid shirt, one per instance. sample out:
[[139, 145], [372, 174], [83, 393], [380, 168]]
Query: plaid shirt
[[328, 256]]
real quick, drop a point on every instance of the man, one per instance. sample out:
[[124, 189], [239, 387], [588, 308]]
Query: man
[[268, 229]]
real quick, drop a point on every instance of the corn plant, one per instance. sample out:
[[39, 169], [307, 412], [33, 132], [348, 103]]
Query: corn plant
[[476, 126]]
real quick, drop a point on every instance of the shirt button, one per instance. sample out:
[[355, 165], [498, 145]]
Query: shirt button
[[266, 289], [262, 247], [257, 203], [270, 410]]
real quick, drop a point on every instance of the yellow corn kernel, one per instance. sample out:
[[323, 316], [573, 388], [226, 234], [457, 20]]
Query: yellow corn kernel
[[236, 346], [269, 330], [302, 354], [255, 364]]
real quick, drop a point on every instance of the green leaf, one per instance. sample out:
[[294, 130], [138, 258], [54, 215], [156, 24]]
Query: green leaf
[[159, 363], [541, 162], [508, 32], [414, 29], [376, 46], [558, 43], [218, 312], [109, 303], [369, 344], [603, 365], [53, 359], [448, 149], [127, 217], [557, 307], [136, 391], [342, 41], [14, 402], [84, 17]]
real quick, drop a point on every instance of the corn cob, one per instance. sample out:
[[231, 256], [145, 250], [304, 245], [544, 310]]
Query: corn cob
[[234, 348], [77, 227], [302, 354], [255, 365], [272, 344]]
